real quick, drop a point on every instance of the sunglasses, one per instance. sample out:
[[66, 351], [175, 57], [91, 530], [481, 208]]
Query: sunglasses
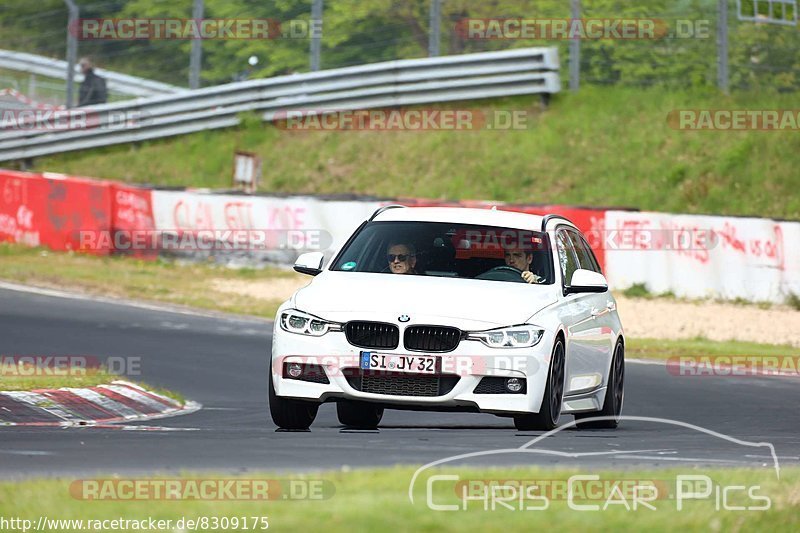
[[400, 257]]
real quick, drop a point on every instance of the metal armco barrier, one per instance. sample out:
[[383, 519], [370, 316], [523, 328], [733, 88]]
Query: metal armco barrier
[[56, 68], [394, 83]]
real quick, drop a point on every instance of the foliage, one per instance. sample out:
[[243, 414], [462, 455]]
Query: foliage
[[367, 31], [637, 290]]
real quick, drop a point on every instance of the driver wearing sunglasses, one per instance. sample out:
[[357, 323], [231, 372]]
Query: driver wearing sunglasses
[[402, 259]]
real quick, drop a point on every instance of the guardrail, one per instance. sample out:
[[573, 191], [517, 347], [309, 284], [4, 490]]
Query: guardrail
[[394, 83], [56, 68]]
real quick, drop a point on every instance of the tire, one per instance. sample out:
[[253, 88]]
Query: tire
[[548, 415], [615, 394], [290, 414], [359, 415]]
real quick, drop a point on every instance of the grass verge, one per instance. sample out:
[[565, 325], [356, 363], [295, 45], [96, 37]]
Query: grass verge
[[664, 349], [602, 146], [188, 284], [377, 500]]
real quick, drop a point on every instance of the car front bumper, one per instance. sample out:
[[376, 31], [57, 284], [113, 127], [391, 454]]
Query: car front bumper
[[467, 365]]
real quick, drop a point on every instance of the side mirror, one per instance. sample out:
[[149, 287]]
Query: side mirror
[[586, 281], [309, 263]]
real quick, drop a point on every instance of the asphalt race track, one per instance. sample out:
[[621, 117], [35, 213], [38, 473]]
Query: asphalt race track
[[222, 363]]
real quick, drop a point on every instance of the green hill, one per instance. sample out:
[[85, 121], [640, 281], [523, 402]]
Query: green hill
[[601, 146]]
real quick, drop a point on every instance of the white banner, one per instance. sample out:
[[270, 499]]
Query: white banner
[[691, 256], [704, 256], [293, 225]]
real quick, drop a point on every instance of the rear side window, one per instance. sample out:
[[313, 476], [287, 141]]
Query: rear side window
[[566, 256], [586, 257]]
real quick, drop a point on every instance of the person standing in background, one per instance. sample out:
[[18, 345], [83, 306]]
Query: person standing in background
[[93, 87]]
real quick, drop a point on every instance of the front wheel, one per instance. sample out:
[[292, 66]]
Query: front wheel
[[615, 393], [360, 415], [290, 414], [548, 415]]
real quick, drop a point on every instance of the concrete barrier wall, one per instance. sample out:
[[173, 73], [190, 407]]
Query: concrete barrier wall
[[704, 256], [51, 210], [688, 255]]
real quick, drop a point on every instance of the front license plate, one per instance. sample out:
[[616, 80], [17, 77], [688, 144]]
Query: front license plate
[[415, 364]]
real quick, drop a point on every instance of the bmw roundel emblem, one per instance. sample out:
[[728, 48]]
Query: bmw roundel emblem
[[404, 318]]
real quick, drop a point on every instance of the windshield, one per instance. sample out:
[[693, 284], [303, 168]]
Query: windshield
[[449, 250]]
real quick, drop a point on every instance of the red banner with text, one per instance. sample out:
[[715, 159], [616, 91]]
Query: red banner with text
[[52, 210]]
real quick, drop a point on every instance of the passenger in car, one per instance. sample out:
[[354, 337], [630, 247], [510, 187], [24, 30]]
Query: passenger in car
[[521, 260], [402, 258]]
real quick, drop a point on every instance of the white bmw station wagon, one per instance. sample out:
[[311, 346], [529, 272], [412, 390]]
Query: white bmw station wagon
[[451, 309]]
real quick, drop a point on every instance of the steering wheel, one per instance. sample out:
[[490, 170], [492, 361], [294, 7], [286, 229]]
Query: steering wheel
[[502, 273]]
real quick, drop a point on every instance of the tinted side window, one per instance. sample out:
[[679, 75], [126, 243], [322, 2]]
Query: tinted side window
[[566, 256], [585, 255]]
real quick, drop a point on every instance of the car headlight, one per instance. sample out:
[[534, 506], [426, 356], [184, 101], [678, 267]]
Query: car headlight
[[295, 321], [523, 336]]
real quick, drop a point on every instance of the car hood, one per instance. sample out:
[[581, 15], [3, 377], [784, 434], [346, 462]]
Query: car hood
[[465, 303]]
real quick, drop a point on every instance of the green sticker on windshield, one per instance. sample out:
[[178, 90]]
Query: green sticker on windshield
[[349, 266]]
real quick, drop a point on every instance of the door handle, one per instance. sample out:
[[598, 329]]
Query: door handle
[[597, 312], [611, 306]]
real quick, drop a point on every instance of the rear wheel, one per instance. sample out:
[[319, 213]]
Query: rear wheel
[[360, 415], [548, 415], [615, 393], [290, 414]]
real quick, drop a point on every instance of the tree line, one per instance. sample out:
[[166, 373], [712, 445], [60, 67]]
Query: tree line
[[761, 56]]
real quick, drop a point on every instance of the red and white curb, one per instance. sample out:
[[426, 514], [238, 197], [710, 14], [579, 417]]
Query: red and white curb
[[117, 402]]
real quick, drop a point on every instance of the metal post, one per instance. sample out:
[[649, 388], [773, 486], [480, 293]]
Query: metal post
[[32, 86], [72, 50], [575, 49], [196, 55], [723, 74], [435, 28], [316, 34]]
